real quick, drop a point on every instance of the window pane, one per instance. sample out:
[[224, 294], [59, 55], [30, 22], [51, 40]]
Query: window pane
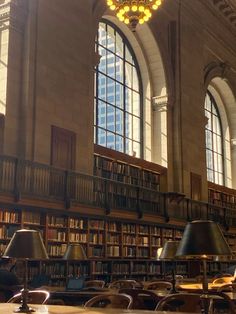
[[136, 104], [101, 114], [119, 143], [119, 122], [101, 137], [128, 100], [128, 125], [128, 74], [111, 65], [119, 70], [110, 140], [110, 118], [136, 149], [214, 149], [110, 38], [119, 46], [117, 101], [119, 96], [136, 129], [135, 80]]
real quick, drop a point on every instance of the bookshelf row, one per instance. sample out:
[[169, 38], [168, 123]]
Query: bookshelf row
[[58, 270], [100, 238], [125, 173], [222, 198]]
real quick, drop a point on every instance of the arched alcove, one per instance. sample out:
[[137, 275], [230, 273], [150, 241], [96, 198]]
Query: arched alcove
[[154, 84], [220, 89]]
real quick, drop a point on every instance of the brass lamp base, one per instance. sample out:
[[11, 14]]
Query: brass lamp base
[[24, 309]]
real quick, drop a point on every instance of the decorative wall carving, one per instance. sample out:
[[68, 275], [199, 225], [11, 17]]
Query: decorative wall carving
[[227, 9]]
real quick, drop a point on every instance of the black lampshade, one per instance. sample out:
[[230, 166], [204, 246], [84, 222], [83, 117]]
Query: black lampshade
[[202, 239], [169, 250], [75, 251], [26, 244]]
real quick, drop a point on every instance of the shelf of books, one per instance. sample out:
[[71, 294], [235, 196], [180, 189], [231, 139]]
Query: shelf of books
[[115, 248], [221, 196], [126, 173]]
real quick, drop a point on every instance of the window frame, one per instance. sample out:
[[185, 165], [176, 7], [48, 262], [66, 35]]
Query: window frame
[[213, 132], [123, 108]]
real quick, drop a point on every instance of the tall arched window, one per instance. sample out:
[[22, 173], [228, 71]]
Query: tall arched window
[[118, 93], [214, 146]]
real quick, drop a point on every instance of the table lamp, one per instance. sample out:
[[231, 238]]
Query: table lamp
[[203, 239], [75, 251], [24, 245], [168, 254]]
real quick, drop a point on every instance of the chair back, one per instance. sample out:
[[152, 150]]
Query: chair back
[[180, 302], [94, 283], [159, 285], [227, 287], [221, 303], [116, 301], [122, 284], [142, 299], [195, 303], [34, 297], [223, 280]]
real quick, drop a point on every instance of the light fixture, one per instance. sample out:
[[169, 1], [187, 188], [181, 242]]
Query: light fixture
[[203, 239], [75, 251], [24, 245], [168, 254], [133, 12]]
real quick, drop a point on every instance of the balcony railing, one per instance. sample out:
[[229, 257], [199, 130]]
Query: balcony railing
[[23, 178]]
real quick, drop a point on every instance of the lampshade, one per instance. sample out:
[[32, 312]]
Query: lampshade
[[169, 250], [75, 251], [202, 239], [26, 244]]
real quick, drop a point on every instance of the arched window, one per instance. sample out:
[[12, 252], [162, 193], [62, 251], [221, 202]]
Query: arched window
[[214, 145], [118, 93]]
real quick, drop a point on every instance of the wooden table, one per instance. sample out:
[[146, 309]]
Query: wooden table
[[198, 286], [8, 308], [80, 297]]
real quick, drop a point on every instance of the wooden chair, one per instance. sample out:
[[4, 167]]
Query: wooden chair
[[181, 302], [142, 299], [116, 301], [159, 285], [195, 303], [122, 284], [34, 297], [228, 287], [94, 283], [221, 303], [223, 280]]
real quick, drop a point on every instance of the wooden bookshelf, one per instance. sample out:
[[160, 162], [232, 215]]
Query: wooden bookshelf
[[123, 172], [221, 196], [115, 248]]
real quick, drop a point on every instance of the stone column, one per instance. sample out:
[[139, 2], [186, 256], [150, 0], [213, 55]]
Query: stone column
[[160, 130]]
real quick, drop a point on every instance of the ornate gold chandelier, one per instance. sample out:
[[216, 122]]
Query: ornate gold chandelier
[[133, 12]]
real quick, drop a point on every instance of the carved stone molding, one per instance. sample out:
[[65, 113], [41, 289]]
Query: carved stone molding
[[227, 8], [160, 103], [13, 14]]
